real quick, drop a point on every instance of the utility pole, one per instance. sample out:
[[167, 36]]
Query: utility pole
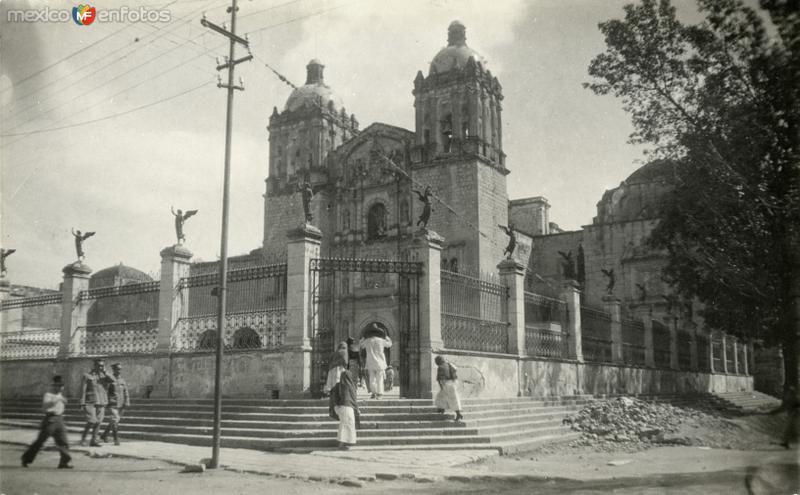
[[221, 292]]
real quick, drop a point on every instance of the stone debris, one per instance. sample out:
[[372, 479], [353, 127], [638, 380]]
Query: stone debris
[[386, 476], [351, 483], [194, 468], [620, 462], [631, 424]]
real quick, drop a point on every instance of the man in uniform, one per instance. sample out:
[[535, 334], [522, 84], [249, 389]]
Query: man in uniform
[[94, 399], [118, 400]]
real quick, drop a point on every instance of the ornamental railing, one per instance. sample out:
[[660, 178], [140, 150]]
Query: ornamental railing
[[633, 348], [25, 302], [253, 289], [126, 337], [539, 308], [546, 343], [265, 330], [474, 313], [119, 290], [30, 344], [703, 362], [366, 265], [684, 347], [595, 335], [661, 345]]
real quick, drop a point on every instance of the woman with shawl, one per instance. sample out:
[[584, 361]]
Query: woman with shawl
[[338, 363], [344, 407], [447, 398]]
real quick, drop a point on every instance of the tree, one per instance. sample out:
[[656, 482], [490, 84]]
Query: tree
[[720, 99]]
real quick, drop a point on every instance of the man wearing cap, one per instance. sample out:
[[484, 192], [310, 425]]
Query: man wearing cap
[[94, 399], [52, 426], [118, 400]]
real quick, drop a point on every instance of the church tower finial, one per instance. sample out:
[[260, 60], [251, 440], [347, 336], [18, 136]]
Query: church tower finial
[[456, 34]]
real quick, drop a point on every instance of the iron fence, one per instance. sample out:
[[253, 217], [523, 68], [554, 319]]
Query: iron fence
[[633, 348], [252, 289], [474, 313], [264, 330], [25, 302], [547, 343], [729, 355], [684, 348], [703, 362], [661, 345], [126, 337], [595, 335], [30, 344], [545, 309], [121, 303], [716, 350]]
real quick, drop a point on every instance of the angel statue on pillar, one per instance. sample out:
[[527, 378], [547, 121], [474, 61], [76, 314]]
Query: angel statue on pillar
[[425, 197], [79, 238], [307, 190], [4, 253], [512, 239], [611, 280], [180, 218]]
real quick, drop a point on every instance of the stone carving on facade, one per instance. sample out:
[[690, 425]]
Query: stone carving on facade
[[79, 238], [642, 289], [307, 191], [512, 239], [180, 219], [4, 253]]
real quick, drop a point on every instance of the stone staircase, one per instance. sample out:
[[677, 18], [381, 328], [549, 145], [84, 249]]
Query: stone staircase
[[719, 403], [507, 425]]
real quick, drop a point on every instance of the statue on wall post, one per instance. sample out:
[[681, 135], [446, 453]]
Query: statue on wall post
[[611, 280], [512, 239], [425, 197], [307, 191], [180, 218], [79, 238], [4, 253]]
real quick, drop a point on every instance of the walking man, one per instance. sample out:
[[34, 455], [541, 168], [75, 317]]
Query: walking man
[[376, 360], [52, 426], [118, 399], [94, 399]]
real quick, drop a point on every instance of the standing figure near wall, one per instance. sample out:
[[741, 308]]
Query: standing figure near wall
[[611, 280], [307, 191], [118, 399], [374, 345], [425, 197], [94, 399]]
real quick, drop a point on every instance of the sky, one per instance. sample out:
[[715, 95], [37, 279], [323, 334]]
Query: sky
[[106, 126]]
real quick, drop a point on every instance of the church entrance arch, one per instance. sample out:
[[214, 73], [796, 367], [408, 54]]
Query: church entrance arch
[[359, 292]]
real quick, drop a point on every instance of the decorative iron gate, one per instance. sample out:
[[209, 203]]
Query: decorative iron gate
[[343, 289]]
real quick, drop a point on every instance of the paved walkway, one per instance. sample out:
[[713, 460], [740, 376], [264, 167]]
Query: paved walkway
[[432, 465]]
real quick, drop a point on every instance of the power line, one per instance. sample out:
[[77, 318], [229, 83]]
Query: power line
[[108, 117]]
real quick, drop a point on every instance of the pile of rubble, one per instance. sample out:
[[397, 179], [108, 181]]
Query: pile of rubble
[[638, 424]]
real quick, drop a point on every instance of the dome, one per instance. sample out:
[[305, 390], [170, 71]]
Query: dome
[[639, 196], [118, 275], [655, 171], [456, 54], [315, 91]]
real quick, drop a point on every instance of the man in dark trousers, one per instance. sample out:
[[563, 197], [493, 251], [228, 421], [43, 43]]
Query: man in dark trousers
[[94, 399], [118, 400], [52, 426]]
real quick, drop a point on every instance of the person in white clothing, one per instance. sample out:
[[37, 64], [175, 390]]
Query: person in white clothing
[[376, 361]]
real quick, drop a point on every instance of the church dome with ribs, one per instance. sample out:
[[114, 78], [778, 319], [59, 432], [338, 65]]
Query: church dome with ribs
[[315, 92], [456, 54]]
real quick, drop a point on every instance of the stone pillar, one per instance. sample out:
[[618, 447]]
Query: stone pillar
[[5, 293], [649, 350], [512, 275], [724, 354], [303, 246], [612, 306], [747, 354], [174, 266], [673, 342], [73, 312], [572, 296], [735, 355], [426, 248]]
